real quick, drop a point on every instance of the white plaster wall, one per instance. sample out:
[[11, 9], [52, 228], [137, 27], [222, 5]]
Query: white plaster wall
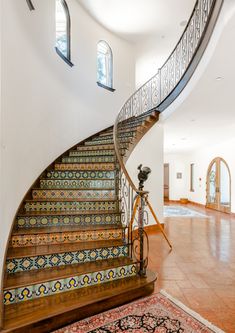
[[177, 186], [201, 159], [149, 152], [47, 107]]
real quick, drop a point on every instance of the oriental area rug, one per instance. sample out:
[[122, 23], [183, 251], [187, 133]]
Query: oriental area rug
[[159, 313]]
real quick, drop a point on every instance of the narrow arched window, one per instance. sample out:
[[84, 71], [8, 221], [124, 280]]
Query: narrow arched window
[[63, 30], [104, 65]]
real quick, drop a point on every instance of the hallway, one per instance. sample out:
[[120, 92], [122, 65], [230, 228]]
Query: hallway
[[200, 270]]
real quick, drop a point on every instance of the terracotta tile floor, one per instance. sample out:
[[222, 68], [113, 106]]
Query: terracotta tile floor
[[200, 270]]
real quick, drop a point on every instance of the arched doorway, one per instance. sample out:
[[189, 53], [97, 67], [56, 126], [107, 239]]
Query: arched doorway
[[219, 186]]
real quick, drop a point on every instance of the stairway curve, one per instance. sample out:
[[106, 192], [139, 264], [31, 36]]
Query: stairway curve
[[68, 256]]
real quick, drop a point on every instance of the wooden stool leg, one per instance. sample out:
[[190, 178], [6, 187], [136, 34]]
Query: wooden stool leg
[[159, 224]]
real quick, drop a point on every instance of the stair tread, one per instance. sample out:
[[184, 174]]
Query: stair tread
[[79, 179], [71, 200], [74, 189], [74, 213], [21, 314], [66, 228], [39, 250], [27, 278]]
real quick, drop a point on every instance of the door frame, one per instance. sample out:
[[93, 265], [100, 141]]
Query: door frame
[[217, 205], [166, 189]]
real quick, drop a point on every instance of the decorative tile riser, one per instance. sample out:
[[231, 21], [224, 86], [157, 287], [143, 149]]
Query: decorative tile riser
[[92, 153], [100, 147], [71, 220], [60, 206], [76, 184], [73, 194], [80, 174], [105, 141], [125, 133], [92, 166], [89, 159], [67, 258], [129, 134], [68, 284], [65, 237]]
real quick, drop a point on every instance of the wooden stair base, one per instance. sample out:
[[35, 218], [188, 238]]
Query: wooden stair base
[[53, 312]]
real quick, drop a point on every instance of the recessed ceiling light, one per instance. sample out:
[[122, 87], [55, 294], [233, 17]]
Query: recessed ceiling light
[[173, 144], [192, 120], [183, 139], [162, 36], [219, 78], [183, 23]]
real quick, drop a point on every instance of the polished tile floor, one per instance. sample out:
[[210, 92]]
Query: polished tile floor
[[200, 270]]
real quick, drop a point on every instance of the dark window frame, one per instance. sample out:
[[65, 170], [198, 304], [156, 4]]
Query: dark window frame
[[30, 4], [67, 58], [100, 84]]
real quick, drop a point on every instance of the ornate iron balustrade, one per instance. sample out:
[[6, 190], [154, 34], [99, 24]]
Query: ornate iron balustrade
[[160, 91]]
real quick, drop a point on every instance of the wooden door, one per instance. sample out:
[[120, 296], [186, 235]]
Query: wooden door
[[166, 181], [219, 186]]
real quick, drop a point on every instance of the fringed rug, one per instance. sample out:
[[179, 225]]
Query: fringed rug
[[178, 211], [159, 313]]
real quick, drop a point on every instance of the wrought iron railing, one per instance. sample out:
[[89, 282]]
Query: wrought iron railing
[[158, 92]]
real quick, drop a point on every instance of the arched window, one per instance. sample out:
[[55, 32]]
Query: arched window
[[104, 65], [63, 31]]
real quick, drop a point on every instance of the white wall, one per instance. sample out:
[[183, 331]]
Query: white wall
[[47, 107], [149, 152], [201, 159], [177, 186]]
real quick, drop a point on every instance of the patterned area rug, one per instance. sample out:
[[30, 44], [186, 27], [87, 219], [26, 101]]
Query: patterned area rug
[[159, 313], [178, 211]]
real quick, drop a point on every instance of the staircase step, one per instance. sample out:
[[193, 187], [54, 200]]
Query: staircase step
[[85, 166], [77, 184], [40, 257], [89, 159], [103, 141], [101, 146], [71, 205], [73, 194], [64, 235], [41, 220], [126, 130], [101, 152], [126, 134], [80, 175], [49, 313], [25, 286]]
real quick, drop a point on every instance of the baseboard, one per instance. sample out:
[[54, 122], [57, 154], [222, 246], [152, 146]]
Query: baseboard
[[189, 202]]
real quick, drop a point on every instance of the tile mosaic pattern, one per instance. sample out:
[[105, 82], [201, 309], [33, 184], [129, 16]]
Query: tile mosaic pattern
[[105, 141], [106, 152], [71, 283], [80, 174], [128, 134], [100, 147], [64, 206], [85, 166], [89, 159], [24, 264], [63, 220], [76, 184], [65, 237], [73, 194]]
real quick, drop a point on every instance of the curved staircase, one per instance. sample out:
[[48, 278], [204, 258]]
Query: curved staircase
[[69, 256]]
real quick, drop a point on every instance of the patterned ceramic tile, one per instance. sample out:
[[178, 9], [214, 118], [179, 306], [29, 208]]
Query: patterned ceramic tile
[[92, 153], [128, 134], [65, 237], [89, 159], [85, 166], [105, 141], [23, 264], [60, 220], [71, 283], [100, 147], [76, 184], [73, 194], [64, 206], [80, 174]]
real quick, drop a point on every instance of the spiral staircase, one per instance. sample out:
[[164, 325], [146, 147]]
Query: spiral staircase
[[70, 253]]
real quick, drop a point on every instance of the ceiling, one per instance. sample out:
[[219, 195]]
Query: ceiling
[[137, 19], [207, 116]]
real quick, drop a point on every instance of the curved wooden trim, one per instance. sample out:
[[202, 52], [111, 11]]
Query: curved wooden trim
[[215, 160]]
